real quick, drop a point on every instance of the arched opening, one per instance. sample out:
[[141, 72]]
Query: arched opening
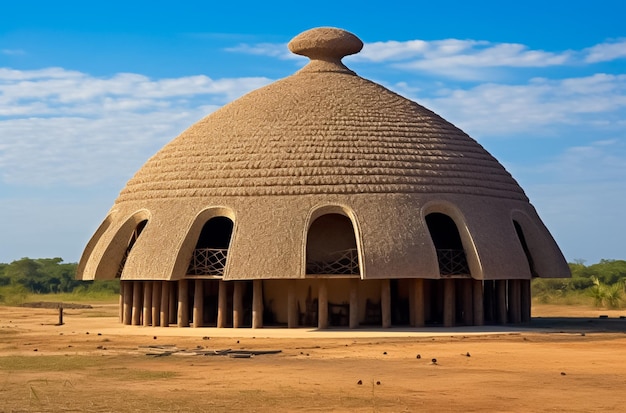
[[450, 253], [210, 253], [131, 243], [331, 246], [522, 240]]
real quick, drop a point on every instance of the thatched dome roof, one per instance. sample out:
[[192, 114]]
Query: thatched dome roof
[[323, 137], [324, 130]]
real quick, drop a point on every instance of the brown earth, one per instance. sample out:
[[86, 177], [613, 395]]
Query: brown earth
[[567, 359]]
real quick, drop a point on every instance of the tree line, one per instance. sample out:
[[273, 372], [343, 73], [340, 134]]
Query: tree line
[[47, 276], [603, 283]]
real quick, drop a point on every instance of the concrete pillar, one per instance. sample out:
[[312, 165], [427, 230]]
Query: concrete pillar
[[385, 302], [156, 303], [183, 303], [479, 309], [222, 304], [515, 301], [490, 300], [354, 302], [238, 304], [198, 304], [121, 302], [449, 298], [322, 304], [147, 303], [417, 298], [467, 298], [137, 305], [428, 294], [257, 304], [292, 305], [173, 303], [501, 301], [411, 303], [165, 304], [526, 301], [128, 302]]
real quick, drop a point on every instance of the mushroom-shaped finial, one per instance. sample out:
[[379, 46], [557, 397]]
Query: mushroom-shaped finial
[[328, 45]]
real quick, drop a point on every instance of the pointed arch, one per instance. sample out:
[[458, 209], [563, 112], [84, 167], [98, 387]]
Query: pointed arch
[[114, 258], [131, 243], [450, 253], [205, 249], [452, 241], [91, 245], [332, 242]]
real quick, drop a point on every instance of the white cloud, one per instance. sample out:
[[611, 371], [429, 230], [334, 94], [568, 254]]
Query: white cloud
[[279, 50], [449, 56], [495, 109], [75, 151], [392, 50], [12, 52], [605, 52], [456, 58], [466, 59], [67, 128], [8, 75], [56, 91]]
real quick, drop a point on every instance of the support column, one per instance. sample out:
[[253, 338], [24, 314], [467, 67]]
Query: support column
[[428, 295], [173, 303], [128, 302], [322, 304], [411, 302], [385, 302], [354, 303], [147, 303], [238, 304], [526, 301], [137, 306], [490, 300], [121, 302], [222, 304], [257, 304], [292, 305], [183, 303], [165, 304], [198, 304], [156, 303], [515, 301], [479, 309], [501, 301], [449, 297], [418, 303], [468, 301]]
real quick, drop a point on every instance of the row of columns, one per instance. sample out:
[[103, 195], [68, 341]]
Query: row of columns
[[161, 303]]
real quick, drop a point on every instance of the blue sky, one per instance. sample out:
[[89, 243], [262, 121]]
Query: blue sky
[[90, 90]]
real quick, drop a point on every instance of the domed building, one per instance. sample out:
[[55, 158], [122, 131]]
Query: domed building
[[322, 199]]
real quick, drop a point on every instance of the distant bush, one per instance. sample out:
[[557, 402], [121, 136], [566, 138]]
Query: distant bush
[[601, 285], [25, 277], [13, 294]]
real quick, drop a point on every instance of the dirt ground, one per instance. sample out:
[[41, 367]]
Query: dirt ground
[[567, 359]]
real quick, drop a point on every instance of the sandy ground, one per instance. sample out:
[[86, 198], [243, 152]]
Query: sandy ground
[[567, 359]]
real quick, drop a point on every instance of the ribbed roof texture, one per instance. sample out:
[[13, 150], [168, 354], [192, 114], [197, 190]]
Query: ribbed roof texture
[[321, 130]]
